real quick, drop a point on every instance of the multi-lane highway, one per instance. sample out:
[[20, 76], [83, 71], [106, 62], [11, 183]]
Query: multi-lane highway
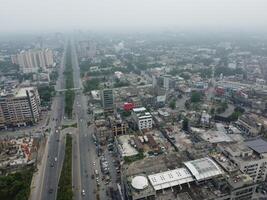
[[84, 156], [54, 155], [84, 148]]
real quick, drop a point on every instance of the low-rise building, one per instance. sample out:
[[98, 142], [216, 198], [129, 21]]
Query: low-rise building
[[249, 125], [250, 157], [142, 118]]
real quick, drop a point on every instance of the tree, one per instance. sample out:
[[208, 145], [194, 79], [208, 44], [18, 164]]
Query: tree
[[172, 104], [196, 97], [92, 84], [46, 93], [212, 111], [234, 116]]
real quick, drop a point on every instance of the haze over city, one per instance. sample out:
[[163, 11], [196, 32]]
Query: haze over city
[[37, 15], [133, 100]]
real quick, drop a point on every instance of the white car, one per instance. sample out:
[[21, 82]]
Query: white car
[[94, 163]]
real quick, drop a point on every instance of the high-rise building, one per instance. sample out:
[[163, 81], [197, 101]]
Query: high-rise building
[[107, 99], [49, 61], [32, 60], [19, 107]]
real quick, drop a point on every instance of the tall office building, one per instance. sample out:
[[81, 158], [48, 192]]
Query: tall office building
[[107, 99], [19, 107]]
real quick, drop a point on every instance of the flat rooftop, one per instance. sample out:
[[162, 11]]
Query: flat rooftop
[[141, 109], [170, 178], [21, 92], [213, 136], [258, 145]]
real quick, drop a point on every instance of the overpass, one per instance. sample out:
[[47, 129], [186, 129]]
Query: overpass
[[64, 90]]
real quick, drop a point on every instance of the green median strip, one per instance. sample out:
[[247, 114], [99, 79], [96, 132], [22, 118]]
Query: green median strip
[[69, 94], [65, 182]]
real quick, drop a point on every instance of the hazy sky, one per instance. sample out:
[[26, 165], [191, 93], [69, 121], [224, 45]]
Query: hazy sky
[[28, 15]]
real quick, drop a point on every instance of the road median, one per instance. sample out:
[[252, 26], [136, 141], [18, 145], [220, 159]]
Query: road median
[[65, 182]]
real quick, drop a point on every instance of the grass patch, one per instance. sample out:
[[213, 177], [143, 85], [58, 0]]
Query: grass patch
[[16, 186], [68, 126], [130, 159], [65, 181]]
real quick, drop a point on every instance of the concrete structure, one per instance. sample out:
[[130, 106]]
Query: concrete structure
[[142, 118], [124, 147], [249, 125], [19, 107], [248, 157], [199, 179], [119, 127]]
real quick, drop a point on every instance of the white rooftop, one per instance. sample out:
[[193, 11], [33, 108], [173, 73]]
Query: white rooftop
[[21, 92], [141, 109], [203, 168], [139, 182], [170, 178]]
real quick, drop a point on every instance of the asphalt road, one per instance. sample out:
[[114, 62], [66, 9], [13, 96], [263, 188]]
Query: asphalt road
[[87, 158], [55, 143]]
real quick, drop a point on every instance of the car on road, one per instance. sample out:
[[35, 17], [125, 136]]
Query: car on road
[[55, 159], [83, 192], [50, 190], [94, 163], [96, 172]]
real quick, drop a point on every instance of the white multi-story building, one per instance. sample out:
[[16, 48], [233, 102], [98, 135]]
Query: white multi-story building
[[142, 118], [19, 107]]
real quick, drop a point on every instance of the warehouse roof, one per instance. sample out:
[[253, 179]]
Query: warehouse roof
[[203, 168], [170, 178]]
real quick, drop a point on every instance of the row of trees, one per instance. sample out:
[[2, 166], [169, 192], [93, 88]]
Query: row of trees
[[92, 84], [6, 67], [16, 186], [46, 93], [69, 94]]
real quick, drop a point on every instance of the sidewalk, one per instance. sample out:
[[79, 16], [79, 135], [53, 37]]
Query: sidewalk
[[37, 178]]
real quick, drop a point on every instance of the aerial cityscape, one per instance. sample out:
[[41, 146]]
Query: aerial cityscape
[[133, 107]]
